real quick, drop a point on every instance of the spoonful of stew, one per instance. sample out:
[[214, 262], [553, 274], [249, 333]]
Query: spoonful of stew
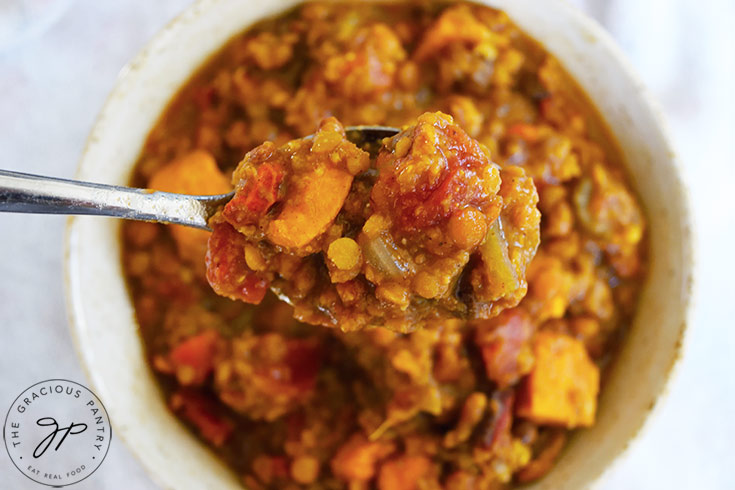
[[355, 227]]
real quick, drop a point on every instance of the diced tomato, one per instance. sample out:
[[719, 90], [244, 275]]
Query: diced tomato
[[227, 270], [504, 342], [270, 469], [295, 374], [197, 354], [171, 288], [304, 359], [434, 170], [204, 413], [280, 467], [204, 97], [256, 196], [546, 106]]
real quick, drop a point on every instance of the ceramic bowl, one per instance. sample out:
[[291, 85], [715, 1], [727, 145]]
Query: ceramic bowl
[[101, 313]]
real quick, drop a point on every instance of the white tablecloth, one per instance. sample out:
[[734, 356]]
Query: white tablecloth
[[54, 79]]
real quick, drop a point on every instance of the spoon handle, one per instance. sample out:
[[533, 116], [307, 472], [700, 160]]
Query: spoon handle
[[26, 193]]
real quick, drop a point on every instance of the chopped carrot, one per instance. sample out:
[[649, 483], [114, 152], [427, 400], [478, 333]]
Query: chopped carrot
[[562, 387], [317, 198]]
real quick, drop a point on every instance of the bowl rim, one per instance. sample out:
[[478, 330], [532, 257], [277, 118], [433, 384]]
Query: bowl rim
[[583, 22]]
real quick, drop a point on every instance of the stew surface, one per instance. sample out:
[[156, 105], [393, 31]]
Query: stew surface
[[457, 405]]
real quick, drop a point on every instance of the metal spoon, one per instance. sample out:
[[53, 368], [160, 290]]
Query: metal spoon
[[26, 193]]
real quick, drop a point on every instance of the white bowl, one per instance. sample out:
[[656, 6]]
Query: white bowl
[[102, 316]]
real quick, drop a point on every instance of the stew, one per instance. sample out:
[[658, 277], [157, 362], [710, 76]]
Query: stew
[[457, 404]]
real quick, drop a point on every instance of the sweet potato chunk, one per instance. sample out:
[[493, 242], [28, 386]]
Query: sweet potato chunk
[[562, 387], [194, 173], [317, 198]]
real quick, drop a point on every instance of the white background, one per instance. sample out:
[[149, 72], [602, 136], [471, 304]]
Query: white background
[[55, 76]]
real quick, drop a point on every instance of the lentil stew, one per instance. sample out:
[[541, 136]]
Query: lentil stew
[[418, 235], [458, 404]]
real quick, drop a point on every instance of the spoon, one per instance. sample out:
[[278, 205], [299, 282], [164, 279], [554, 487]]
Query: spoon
[[27, 193]]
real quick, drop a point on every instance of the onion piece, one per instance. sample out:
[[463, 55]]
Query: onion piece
[[500, 273], [381, 253]]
